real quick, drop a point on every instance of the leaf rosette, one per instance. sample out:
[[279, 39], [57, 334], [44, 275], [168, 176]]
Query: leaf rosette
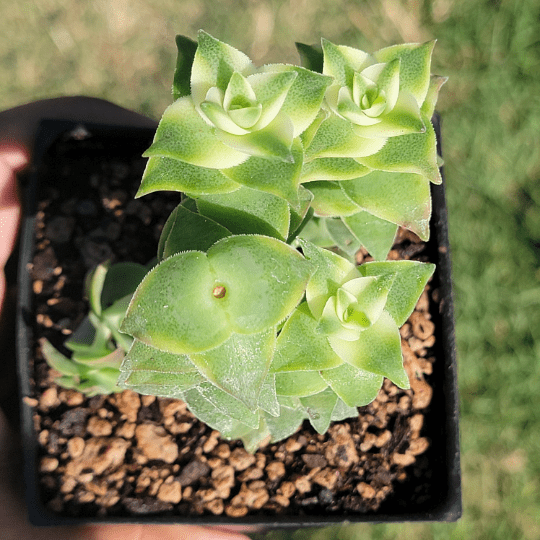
[[236, 115]]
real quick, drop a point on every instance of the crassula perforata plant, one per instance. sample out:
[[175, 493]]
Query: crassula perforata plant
[[247, 317]]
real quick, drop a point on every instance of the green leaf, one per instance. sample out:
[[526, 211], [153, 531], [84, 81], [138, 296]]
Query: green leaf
[[264, 280], [143, 357], [401, 198], [337, 138], [415, 66], [411, 278], [182, 74], [404, 118], [414, 153], [330, 200], [271, 88], [317, 233], [248, 211], [271, 175], [59, 362], [332, 272], [311, 56], [189, 231], [214, 64], [268, 400], [229, 405], [435, 85], [272, 141], [182, 134], [319, 409], [342, 411], [300, 347], [167, 174], [356, 387], [341, 62], [343, 238], [304, 97], [333, 169], [376, 235], [378, 350], [286, 424], [121, 280], [300, 215], [299, 383], [174, 309], [239, 366]]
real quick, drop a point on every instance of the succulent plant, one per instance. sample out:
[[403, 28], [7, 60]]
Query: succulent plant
[[97, 346], [247, 317]]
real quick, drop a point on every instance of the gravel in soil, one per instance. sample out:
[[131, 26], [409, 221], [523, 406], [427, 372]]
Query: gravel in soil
[[128, 454]]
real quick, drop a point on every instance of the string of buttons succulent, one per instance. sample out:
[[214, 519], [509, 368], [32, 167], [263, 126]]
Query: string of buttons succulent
[[255, 314]]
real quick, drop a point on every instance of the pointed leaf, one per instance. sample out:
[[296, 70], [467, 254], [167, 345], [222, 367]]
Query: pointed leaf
[[343, 238], [378, 350], [286, 424], [415, 66], [304, 98], [330, 200], [414, 153], [272, 141], [58, 361], [356, 387], [167, 174], [182, 74], [337, 138], [271, 175], [333, 169], [240, 365], [341, 62], [213, 65], [317, 233], [319, 408], [248, 211], [332, 272], [435, 84], [311, 56], [376, 235], [190, 231], [401, 198], [299, 383], [183, 134], [121, 280], [342, 411], [411, 278], [300, 347]]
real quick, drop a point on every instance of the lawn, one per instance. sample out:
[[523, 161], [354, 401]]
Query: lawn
[[124, 51]]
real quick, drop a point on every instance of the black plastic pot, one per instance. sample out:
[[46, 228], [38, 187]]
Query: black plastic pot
[[441, 497]]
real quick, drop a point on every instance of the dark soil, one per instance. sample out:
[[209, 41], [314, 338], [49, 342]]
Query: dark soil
[[128, 454]]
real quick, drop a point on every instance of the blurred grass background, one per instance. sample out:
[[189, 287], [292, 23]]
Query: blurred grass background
[[124, 51]]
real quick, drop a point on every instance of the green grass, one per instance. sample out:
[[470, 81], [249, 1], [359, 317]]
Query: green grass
[[491, 138]]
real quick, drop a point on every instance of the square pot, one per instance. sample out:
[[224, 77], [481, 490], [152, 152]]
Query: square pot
[[426, 487]]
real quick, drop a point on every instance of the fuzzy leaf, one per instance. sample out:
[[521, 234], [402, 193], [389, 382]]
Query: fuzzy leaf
[[167, 174], [243, 377], [248, 211], [330, 200], [415, 66], [333, 169], [376, 235], [342, 411], [304, 98], [319, 408], [265, 279], [182, 74], [174, 304], [413, 153], [341, 62], [311, 56], [343, 238], [356, 387], [271, 175], [299, 383], [410, 279], [337, 138], [214, 64], [189, 231], [300, 347], [401, 198], [378, 350], [183, 135], [435, 84]]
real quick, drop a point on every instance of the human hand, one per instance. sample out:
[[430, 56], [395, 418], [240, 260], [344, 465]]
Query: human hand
[[17, 131]]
